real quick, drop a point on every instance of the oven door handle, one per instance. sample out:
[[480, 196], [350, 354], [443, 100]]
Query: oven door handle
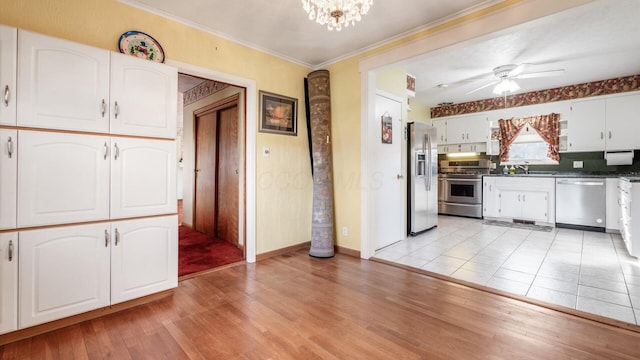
[[462, 180]]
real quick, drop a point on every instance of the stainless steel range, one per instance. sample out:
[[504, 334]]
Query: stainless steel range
[[460, 186]]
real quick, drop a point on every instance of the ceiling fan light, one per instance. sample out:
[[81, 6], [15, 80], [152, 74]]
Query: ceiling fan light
[[506, 86]]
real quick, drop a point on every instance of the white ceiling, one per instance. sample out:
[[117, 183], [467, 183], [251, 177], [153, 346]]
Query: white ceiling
[[597, 41]]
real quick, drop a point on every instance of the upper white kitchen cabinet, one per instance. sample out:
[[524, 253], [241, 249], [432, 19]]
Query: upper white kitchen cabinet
[[467, 129], [441, 130], [62, 84], [622, 113], [63, 271], [8, 175], [8, 282], [143, 97], [8, 50], [62, 178], [587, 125], [604, 124], [144, 257], [143, 177]]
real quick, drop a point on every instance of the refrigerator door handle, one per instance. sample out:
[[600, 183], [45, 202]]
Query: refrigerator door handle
[[427, 144]]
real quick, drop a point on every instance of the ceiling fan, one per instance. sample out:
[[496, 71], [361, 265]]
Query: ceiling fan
[[506, 75]]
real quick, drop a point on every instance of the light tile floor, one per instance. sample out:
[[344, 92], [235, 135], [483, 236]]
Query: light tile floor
[[583, 270]]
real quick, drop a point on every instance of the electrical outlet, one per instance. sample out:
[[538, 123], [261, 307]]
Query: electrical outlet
[[345, 231], [578, 164], [266, 151]]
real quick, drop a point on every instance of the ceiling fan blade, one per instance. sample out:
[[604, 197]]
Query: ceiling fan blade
[[518, 70], [483, 87], [538, 74]]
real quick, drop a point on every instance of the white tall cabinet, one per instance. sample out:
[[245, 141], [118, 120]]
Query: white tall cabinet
[[144, 257], [8, 282], [63, 271], [8, 176], [87, 178], [8, 59]]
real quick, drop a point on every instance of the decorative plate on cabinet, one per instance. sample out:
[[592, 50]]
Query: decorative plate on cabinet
[[141, 45]]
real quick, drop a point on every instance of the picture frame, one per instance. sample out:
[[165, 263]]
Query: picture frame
[[278, 114], [387, 129]]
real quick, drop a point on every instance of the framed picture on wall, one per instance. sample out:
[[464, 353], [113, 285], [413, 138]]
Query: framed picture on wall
[[278, 114]]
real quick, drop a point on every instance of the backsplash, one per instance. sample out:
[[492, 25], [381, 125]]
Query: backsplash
[[595, 88], [592, 162]]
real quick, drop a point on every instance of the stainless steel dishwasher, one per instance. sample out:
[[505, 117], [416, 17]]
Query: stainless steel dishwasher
[[581, 203]]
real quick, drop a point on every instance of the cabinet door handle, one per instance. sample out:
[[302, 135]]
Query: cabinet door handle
[[106, 150], [117, 154], [106, 238], [462, 136], [117, 237], [523, 198], [10, 147], [104, 107], [10, 250], [609, 134], [601, 135], [6, 95], [116, 107], [518, 198]]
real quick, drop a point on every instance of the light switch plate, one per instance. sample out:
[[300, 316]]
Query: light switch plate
[[578, 164]]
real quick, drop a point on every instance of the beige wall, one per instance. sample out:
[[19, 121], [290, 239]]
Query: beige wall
[[284, 189], [284, 182]]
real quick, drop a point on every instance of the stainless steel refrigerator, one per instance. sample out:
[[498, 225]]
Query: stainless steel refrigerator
[[422, 189]]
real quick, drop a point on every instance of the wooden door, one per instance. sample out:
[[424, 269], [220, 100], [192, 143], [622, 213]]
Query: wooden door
[[205, 187], [227, 170]]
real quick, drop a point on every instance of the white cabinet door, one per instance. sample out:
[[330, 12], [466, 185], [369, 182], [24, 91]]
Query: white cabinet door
[[612, 220], [144, 257], [8, 58], [535, 205], [144, 97], [143, 177], [62, 178], [468, 129], [441, 130], [586, 127], [8, 174], [63, 271], [490, 197], [622, 114], [62, 84], [510, 203], [8, 282]]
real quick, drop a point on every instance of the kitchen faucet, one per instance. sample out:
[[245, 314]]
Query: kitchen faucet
[[524, 167]]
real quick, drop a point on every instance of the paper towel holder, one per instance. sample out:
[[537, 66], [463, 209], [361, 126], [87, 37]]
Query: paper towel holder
[[619, 157]]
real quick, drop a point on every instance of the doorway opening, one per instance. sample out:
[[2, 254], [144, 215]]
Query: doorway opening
[[211, 130]]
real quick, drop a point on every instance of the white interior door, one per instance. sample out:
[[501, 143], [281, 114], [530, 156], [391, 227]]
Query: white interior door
[[387, 181]]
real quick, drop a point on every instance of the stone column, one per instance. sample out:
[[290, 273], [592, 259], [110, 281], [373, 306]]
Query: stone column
[[322, 228]]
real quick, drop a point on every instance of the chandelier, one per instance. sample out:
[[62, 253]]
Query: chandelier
[[336, 13]]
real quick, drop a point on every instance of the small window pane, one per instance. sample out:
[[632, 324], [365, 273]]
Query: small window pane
[[528, 151]]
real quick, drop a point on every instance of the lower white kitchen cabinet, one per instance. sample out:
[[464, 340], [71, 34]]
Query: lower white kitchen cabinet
[[490, 199], [612, 220], [630, 210], [74, 269], [8, 175], [519, 198], [8, 282], [144, 257]]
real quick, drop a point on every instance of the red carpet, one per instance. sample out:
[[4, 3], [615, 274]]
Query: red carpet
[[198, 252]]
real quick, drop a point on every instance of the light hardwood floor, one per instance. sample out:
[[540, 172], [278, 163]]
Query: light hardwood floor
[[297, 307]]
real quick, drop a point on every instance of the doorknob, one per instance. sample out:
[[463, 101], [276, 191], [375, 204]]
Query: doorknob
[[399, 176], [197, 170]]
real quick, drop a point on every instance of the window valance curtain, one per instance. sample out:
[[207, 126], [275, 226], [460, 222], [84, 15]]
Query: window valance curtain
[[547, 126]]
